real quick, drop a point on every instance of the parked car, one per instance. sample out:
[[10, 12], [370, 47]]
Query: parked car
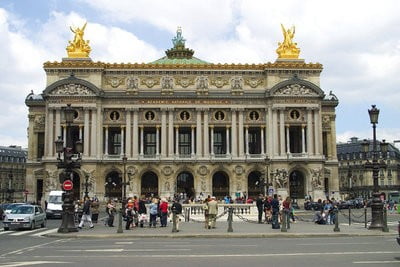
[[25, 216], [10, 207], [3, 207], [312, 205], [398, 230], [344, 204]]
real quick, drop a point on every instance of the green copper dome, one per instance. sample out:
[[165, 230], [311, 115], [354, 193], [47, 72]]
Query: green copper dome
[[179, 54]]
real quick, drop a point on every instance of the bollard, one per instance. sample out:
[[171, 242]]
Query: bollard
[[288, 219], [174, 230], [119, 230], [365, 216], [230, 218], [284, 229], [336, 229], [349, 215], [385, 227]]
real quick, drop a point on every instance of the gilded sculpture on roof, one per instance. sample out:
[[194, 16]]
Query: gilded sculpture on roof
[[288, 49], [78, 48]]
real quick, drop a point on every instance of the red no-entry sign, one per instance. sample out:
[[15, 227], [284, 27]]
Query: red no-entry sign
[[67, 185]]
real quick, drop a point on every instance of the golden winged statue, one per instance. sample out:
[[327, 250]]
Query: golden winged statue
[[288, 49], [78, 48]]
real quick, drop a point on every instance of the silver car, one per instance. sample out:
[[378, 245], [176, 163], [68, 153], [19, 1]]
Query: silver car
[[25, 216]]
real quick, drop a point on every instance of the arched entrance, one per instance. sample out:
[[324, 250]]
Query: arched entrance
[[220, 185], [113, 185], [185, 184], [254, 184], [149, 185], [296, 185]]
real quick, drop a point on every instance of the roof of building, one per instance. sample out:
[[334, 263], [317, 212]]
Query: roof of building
[[354, 148], [13, 151]]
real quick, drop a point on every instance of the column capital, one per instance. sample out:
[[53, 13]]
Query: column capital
[[122, 126], [211, 126], [170, 109], [193, 126], [158, 127], [105, 126], [141, 126], [87, 109], [176, 126], [228, 126], [80, 126], [203, 109]]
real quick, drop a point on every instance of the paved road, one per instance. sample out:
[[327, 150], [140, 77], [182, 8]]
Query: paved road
[[336, 251]]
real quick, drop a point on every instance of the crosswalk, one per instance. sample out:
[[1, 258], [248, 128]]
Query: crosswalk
[[35, 233]]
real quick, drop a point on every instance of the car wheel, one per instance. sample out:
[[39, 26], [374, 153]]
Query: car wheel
[[43, 225], [6, 228], [32, 225]]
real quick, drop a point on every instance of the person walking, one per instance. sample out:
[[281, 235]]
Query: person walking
[[129, 217], [86, 215], [260, 207], [153, 212], [206, 215], [142, 211], [110, 209], [177, 208], [275, 212], [164, 212], [95, 210], [212, 212]]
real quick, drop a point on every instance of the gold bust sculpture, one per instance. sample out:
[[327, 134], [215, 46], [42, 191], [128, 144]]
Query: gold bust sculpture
[[78, 48], [288, 49]]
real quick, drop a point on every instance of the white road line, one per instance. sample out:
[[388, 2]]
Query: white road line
[[123, 243], [29, 263], [342, 243], [46, 232], [26, 232], [126, 250], [374, 262]]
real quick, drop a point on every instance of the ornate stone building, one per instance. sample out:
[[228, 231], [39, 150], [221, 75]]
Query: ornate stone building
[[186, 125]]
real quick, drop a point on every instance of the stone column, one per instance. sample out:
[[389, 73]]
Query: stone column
[[171, 133], [58, 123], [287, 139], [247, 140], [32, 140], [241, 132], [316, 132], [262, 140], [227, 141], [310, 138], [135, 134], [234, 134], [205, 134], [282, 130], [275, 135], [333, 136], [86, 133], [163, 133], [212, 139], [80, 131], [177, 141], [303, 139], [64, 134], [141, 140], [106, 141], [50, 131], [157, 140], [93, 142], [122, 141], [268, 125], [100, 142], [198, 134], [128, 125], [192, 141]]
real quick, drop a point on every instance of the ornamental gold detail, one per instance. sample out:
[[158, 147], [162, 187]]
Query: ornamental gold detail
[[115, 82], [253, 82], [184, 81], [288, 49], [150, 82], [219, 82], [78, 48]]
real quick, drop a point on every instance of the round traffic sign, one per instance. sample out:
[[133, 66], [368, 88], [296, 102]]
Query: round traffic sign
[[68, 185]]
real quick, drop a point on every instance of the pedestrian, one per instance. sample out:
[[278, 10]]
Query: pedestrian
[[142, 211], [268, 210], [164, 212], [86, 215], [110, 210], [212, 212], [260, 207], [275, 212], [129, 218], [177, 208], [206, 215], [153, 212], [95, 210]]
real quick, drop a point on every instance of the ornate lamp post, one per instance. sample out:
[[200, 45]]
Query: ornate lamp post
[[68, 164], [87, 184], [124, 161], [10, 186], [376, 205]]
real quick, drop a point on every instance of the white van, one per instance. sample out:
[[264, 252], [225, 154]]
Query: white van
[[54, 204]]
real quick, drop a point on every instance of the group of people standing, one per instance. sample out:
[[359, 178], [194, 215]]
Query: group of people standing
[[273, 209], [90, 211], [210, 208]]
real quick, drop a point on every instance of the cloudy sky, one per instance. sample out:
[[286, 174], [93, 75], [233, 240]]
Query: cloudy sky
[[358, 43]]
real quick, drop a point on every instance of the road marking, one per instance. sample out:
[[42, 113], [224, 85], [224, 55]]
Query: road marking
[[46, 232], [26, 232], [123, 243], [28, 263], [342, 243], [126, 250], [374, 262], [33, 247]]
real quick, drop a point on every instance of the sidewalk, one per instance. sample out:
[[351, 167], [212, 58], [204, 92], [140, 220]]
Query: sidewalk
[[240, 230]]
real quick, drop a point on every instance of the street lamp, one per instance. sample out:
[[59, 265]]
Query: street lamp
[[68, 164], [87, 184], [10, 186], [124, 161], [377, 204]]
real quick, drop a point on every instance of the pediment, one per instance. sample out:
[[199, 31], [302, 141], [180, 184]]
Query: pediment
[[296, 87], [72, 86]]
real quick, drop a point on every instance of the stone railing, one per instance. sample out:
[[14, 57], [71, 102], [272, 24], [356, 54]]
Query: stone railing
[[197, 210]]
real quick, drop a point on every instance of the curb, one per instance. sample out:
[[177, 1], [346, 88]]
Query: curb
[[219, 235]]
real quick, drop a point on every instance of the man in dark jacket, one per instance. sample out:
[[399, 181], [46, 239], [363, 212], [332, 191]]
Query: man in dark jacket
[[275, 212], [260, 207], [177, 208]]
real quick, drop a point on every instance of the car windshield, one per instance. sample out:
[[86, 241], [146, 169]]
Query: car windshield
[[22, 210], [13, 206], [55, 199]]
